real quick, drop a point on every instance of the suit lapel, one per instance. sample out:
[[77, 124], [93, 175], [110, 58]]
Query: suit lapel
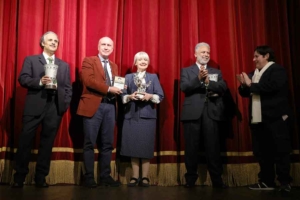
[[113, 68], [147, 79], [133, 86], [99, 68], [42, 59], [209, 69], [57, 61], [195, 69]]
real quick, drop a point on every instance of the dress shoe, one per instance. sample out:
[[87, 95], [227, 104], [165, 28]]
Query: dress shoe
[[189, 185], [109, 181], [220, 186], [41, 185], [17, 185], [90, 184], [134, 183], [145, 182]]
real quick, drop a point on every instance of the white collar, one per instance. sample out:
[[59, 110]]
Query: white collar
[[46, 57], [102, 59], [205, 66]]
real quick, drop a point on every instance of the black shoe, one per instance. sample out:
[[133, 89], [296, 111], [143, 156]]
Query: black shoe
[[143, 184], [17, 185], [261, 186], [109, 181], [132, 184], [285, 188], [189, 185], [220, 186], [90, 183], [41, 185]]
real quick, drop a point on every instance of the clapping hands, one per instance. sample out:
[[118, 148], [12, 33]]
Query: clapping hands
[[244, 79]]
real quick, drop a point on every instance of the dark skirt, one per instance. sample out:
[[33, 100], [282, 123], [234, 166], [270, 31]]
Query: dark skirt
[[138, 136]]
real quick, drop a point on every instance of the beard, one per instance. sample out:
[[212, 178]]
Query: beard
[[202, 61]]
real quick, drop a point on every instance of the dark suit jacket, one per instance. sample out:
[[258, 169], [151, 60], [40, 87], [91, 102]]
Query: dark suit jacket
[[36, 99], [195, 94], [273, 91], [94, 86], [147, 109]]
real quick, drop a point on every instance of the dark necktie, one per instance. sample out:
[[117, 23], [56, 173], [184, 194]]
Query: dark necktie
[[107, 79]]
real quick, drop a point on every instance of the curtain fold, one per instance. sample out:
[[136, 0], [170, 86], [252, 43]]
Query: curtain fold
[[168, 31], [8, 41]]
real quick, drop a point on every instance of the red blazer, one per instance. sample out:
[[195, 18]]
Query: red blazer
[[94, 86]]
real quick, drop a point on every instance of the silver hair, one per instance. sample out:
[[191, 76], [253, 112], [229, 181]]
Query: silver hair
[[139, 55], [201, 44], [43, 38]]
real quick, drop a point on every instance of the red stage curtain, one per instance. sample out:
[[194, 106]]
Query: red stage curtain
[[168, 31]]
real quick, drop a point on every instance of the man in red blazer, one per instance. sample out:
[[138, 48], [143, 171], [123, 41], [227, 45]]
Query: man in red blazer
[[97, 106]]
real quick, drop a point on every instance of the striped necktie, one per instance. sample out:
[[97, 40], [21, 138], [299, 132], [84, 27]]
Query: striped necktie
[[107, 78]]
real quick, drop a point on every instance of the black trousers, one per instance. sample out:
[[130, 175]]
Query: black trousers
[[50, 121], [207, 129], [272, 146]]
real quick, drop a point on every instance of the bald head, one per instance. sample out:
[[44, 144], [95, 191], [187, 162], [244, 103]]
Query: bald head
[[105, 47]]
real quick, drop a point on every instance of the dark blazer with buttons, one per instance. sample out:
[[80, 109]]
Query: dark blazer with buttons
[[195, 94], [36, 98], [273, 90], [147, 109]]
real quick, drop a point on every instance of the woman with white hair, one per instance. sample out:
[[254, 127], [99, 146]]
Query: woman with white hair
[[138, 134]]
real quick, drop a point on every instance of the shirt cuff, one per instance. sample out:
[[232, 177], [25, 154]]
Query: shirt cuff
[[155, 99], [125, 99]]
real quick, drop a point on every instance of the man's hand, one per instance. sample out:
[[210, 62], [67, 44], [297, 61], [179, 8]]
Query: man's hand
[[240, 78], [247, 79], [45, 80], [202, 74], [115, 90], [244, 79], [206, 80]]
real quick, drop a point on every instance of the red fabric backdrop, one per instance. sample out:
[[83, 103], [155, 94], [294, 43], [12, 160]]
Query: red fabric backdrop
[[168, 31]]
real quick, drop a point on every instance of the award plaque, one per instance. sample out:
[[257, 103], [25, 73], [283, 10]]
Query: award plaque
[[141, 84], [213, 77], [51, 71], [119, 82]]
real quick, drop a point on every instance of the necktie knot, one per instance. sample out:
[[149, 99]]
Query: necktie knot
[[50, 60]]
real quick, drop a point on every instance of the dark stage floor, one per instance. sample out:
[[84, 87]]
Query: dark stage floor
[[68, 192]]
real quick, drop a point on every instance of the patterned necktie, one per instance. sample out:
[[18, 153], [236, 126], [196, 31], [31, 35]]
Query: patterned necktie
[[50, 60], [107, 78]]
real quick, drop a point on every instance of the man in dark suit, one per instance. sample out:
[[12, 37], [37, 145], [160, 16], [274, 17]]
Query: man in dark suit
[[97, 106], [42, 106], [203, 107], [267, 89]]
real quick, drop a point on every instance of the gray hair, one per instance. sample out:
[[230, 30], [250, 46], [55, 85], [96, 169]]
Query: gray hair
[[139, 55], [43, 38], [201, 44]]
